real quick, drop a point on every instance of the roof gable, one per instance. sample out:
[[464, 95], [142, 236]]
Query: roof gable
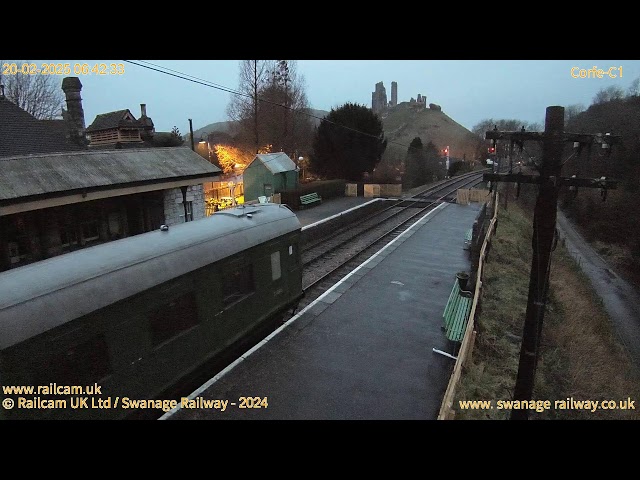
[[275, 162], [116, 119]]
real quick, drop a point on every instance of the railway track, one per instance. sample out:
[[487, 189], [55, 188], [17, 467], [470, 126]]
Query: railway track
[[326, 261], [329, 259]]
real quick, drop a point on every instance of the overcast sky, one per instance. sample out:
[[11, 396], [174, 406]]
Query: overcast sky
[[467, 90]]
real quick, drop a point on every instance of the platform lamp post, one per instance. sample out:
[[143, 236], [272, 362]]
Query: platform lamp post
[[300, 160]]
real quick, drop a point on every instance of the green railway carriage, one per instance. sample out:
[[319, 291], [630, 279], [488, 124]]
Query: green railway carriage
[[131, 318]]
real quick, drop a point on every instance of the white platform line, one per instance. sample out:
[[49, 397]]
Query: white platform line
[[342, 213], [245, 355]]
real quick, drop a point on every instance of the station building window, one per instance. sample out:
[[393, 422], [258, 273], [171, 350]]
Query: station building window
[[18, 240]]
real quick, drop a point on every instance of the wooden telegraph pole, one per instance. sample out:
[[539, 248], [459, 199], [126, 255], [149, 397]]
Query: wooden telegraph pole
[[544, 227]]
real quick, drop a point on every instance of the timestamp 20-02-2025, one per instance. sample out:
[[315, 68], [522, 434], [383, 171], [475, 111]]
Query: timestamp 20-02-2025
[[63, 69]]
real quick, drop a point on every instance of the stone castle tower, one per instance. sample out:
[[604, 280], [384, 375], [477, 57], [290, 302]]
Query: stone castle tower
[[379, 98]]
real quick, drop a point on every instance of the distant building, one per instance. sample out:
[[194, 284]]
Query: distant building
[[269, 173], [120, 126], [379, 98], [58, 195], [418, 104], [379, 103], [121, 129]]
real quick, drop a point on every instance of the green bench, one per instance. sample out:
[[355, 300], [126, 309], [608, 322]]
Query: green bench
[[468, 238], [456, 313], [310, 199]]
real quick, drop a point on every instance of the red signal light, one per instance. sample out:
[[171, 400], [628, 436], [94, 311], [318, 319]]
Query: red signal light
[[491, 150]]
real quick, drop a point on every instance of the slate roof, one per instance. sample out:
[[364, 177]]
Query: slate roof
[[105, 121], [276, 162], [22, 134], [56, 174], [158, 140]]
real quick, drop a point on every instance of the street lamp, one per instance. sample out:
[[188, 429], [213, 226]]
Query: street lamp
[[204, 140], [300, 159]]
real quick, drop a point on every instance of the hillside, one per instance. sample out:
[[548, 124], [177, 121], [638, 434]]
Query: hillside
[[404, 122], [226, 127]]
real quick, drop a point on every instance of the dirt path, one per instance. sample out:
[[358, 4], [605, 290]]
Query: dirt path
[[620, 299]]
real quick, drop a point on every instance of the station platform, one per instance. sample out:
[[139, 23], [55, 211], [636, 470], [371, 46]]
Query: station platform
[[330, 207], [361, 351]]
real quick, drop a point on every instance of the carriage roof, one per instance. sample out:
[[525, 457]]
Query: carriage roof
[[40, 296]]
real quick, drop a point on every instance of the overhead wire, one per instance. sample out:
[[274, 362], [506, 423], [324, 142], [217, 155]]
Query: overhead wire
[[207, 83]]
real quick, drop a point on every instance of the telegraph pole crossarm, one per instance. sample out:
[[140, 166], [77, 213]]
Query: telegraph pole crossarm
[[549, 182], [560, 181]]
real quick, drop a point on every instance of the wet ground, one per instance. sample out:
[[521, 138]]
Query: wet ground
[[621, 300]]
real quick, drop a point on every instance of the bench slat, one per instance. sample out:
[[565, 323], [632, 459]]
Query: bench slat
[[456, 313], [310, 198]]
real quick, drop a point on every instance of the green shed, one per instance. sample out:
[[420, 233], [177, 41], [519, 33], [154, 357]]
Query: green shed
[[269, 173]]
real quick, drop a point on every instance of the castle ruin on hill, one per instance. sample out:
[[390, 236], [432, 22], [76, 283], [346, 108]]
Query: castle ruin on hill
[[380, 104]]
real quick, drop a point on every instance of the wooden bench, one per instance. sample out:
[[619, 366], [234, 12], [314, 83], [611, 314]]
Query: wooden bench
[[310, 199], [456, 312], [468, 238]]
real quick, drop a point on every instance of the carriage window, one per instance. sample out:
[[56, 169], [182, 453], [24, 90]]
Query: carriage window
[[237, 283], [275, 266], [84, 363], [174, 317]]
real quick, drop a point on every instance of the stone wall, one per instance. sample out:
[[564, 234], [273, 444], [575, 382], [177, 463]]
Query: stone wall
[[174, 209]]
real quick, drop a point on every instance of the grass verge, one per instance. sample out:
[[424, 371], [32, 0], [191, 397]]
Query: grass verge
[[580, 358]]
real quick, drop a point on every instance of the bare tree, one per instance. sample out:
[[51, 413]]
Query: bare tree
[[634, 88], [243, 108], [287, 124], [572, 111], [270, 109], [39, 95], [604, 95]]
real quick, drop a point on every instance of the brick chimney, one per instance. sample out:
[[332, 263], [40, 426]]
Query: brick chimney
[[75, 115], [148, 129]]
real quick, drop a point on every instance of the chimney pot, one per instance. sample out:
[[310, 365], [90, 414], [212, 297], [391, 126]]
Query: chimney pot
[[143, 110]]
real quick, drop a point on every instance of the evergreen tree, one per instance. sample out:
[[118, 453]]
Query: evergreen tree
[[415, 171], [348, 142]]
